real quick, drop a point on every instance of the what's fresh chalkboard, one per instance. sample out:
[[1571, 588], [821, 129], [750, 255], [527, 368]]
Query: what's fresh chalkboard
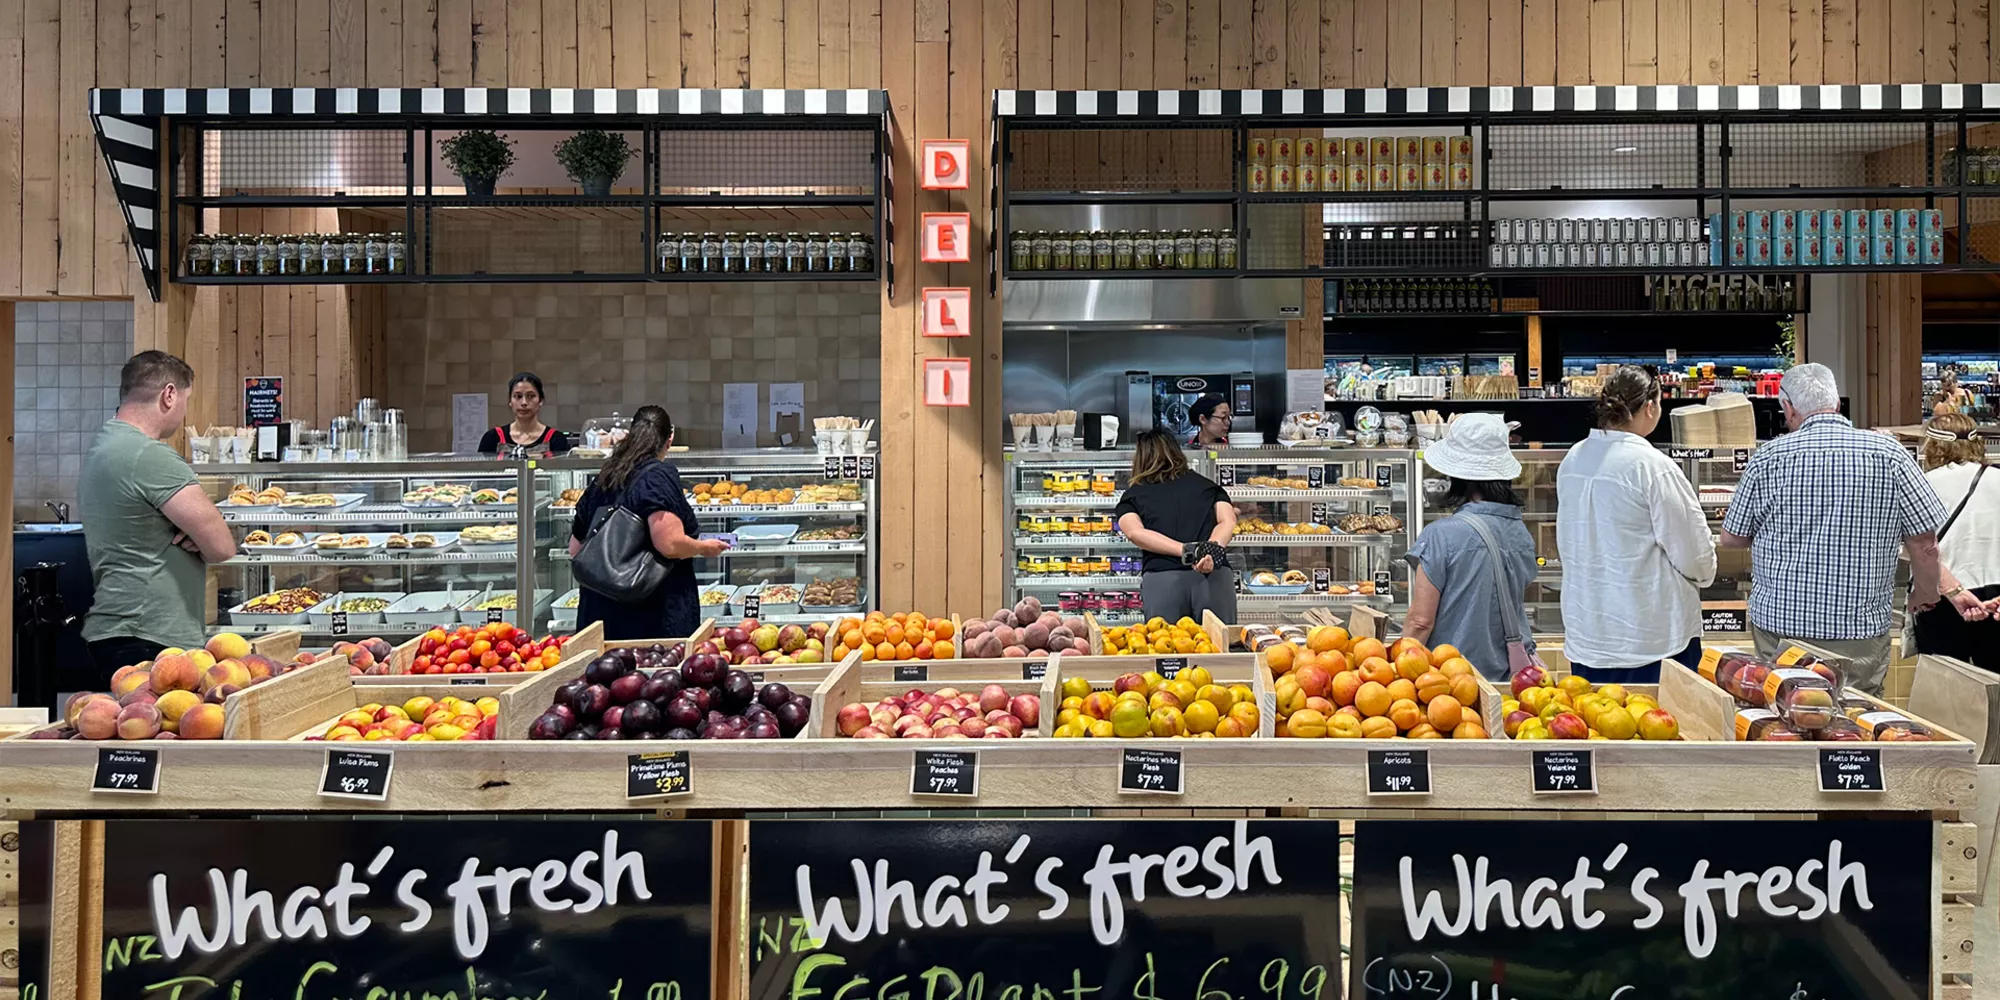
[[593, 910], [1836, 910], [965, 909]]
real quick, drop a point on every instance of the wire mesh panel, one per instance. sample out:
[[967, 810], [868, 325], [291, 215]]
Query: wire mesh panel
[[1843, 154], [1115, 160], [1979, 233], [300, 162], [1598, 157], [767, 162], [540, 238]]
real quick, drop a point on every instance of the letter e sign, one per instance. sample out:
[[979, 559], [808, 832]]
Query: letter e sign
[[947, 312], [947, 237], [948, 382], [945, 161]]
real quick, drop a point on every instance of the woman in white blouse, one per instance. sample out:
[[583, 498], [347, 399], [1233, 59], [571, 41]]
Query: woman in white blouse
[[1961, 625], [1636, 549]]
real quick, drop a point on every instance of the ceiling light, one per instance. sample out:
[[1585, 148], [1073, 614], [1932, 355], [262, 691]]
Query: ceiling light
[[1624, 149]]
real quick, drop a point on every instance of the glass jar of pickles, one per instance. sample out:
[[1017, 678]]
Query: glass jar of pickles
[[332, 254], [795, 253], [816, 252], [667, 254], [267, 255], [690, 253], [836, 252], [1225, 250], [398, 250], [1121, 250], [1041, 251], [753, 253], [732, 253], [1204, 250], [375, 254], [1060, 247], [222, 256], [1184, 250], [1102, 251], [1020, 250], [288, 255], [354, 254], [860, 253], [711, 253], [774, 252], [1142, 250], [196, 260]]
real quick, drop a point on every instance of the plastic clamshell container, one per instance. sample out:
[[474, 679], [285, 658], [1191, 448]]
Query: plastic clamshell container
[[1803, 698], [1796, 657], [1893, 727], [321, 614], [1840, 730], [430, 607], [757, 536], [1764, 725], [1740, 674]]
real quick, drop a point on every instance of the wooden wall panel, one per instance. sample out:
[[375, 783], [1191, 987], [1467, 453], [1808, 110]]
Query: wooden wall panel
[[60, 234]]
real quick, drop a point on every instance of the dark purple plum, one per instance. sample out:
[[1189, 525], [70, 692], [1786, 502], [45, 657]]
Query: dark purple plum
[[651, 734], [610, 733], [568, 693], [603, 670], [614, 717], [792, 717], [700, 697], [626, 688], [738, 690], [548, 726], [774, 695], [682, 713], [578, 734], [664, 685], [642, 716], [678, 733], [761, 730], [592, 702], [560, 708], [704, 670]]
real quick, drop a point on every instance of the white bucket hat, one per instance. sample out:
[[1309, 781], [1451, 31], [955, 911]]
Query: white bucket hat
[[1474, 447]]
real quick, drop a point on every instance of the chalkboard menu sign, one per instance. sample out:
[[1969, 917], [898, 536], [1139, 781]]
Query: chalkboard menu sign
[[33, 845], [263, 400], [559, 909], [1835, 910], [1091, 909]]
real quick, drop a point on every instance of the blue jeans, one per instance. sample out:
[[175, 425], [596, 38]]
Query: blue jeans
[[1648, 674]]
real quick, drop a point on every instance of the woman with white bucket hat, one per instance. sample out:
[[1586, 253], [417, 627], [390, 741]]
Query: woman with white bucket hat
[[1453, 565]]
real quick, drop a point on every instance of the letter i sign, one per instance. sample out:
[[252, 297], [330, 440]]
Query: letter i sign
[[947, 312]]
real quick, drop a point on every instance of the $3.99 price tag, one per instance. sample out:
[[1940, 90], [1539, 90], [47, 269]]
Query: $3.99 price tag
[[649, 775], [357, 774]]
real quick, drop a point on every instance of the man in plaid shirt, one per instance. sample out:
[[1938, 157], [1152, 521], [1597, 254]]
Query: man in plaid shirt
[[1823, 511]]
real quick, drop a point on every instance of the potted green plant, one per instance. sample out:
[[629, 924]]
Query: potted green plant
[[594, 158], [478, 157]]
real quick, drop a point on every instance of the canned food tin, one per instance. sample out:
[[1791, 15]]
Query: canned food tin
[[1260, 149], [1332, 153], [1260, 178], [1121, 250], [1882, 249], [1565, 230], [1785, 251], [1833, 224], [1070, 601], [1909, 249], [1907, 223], [1561, 255], [1308, 147], [1204, 250], [1622, 255], [1513, 255], [1628, 230], [1142, 250], [1284, 177], [1355, 150], [1784, 223], [1695, 254], [1757, 223], [1520, 228], [1283, 151], [1498, 254], [1461, 148], [1410, 176], [1409, 149], [1309, 177], [1932, 223], [1759, 249], [1536, 233], [1060, 245], [1437, 177], [1739, 251], [1882, 222], [1382, 177], [1857, 224], [1646, 234], [1934, 248], [1461, 176], [1607, 253], [1834, 251], [1543, 254], [1857, 250], [1357, 174], [1655, 255], [1333, 177], [1437, 149], [1382, 149], [1811, 223], [1590, 256], [1811, 249]]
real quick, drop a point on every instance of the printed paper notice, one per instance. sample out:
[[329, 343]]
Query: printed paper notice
[[739, 415], [468, 421], [788, 411], [1305, 389]]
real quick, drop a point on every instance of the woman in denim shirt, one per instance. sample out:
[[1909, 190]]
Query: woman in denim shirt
[[1451, 568]]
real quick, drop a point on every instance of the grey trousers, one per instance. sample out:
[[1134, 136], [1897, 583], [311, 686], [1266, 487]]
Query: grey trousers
[[1868, 659], [1174, 594]]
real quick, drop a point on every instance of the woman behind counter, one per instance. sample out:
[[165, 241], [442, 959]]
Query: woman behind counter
[[527, 432], [1182, 521], [637, 478]]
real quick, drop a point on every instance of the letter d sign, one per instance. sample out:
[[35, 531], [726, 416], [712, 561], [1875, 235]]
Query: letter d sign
[[944, 164]]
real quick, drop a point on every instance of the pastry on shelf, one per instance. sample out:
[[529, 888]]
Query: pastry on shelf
[[396, 542], [288, 538], [1294, 576], [1385, 523], [1359, 483], [423, 540], [1265, 578], [568, 498], [258, 537], [354, 542], [329, 540]]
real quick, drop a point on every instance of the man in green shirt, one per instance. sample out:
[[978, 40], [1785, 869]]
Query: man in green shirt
[[147, 524]]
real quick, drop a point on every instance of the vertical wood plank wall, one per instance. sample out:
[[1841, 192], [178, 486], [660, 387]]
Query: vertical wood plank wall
[[61, 234]]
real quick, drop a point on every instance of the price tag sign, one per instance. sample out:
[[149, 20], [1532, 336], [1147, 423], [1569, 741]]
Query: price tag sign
[[830, 468], [1034, 670], [1225, 475], [1738, 460], [1381, 509], [1315, 476], [458, 681], [495, 615], [867, 470], [912, 672], [1155, 771], [1382, 473], [339, 624], [1686, 453], [1560, 772], [357, 774], [1319, 513], [1170, 666], [651, 775], [945, 772], [126, 769], [1322, 580], [1851, 769], [850, 467], [1399, 772], [1382, 582], [752, 605], [1725, 619], [756, 677]]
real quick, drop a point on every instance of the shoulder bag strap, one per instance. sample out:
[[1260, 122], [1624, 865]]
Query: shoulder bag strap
[[1510, 609], [1962, 501]]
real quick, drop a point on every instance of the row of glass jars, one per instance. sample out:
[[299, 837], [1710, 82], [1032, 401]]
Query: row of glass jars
[[1122, 250], [265, 255], [766, 253]]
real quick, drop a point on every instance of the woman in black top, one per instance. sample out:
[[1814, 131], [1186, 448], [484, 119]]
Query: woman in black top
[[1183, 522], [637, 478], [1212, 420], [527, 432]]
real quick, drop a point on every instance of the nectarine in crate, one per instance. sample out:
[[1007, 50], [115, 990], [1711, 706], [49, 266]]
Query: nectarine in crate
[[1191, 695], [940, 699]]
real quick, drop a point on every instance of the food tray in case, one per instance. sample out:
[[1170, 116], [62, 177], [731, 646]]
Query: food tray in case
[[375, 540], [472, 614], [304, 543], [321, 614], [564, 616], [445, 540], [728, 589], [473, 546], [238, 616], [430, 607], [765, 605], [340, 501], [1275, 589], [757, 536]]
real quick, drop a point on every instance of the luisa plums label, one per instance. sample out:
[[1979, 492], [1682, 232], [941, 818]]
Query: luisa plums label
[[1851, 769], [650, 775], [127, 769], [1399, 772], [945, 772], [1564, 772], [357, 774], [1156, 771]]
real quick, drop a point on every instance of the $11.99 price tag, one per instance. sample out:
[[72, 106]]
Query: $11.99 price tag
[[945, 772], [127, 769], [357, 774], [1399, 772], [649, 775]]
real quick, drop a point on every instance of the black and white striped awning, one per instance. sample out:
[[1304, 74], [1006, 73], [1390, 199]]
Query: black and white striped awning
[[128, 121], [1445, 101]]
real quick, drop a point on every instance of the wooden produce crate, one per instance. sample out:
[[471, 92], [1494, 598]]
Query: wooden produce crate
[[869, 681], [405, 654], [471, 687], [1218, 633], [1227, 669], [272, 709], [1490, 695], [1708, 712]]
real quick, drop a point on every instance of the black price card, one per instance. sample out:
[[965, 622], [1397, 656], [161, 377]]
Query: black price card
[[1851, 769], [1034, 670], [457, 681], [339, 626], [830, 467], [1381, 509], [264, 400], [495, 615], [1739, 459], [912, 672], [1565, 771], [756, 677], [1382, 582], [1319, 513], [1322, 580], [1534, 375], [850, 467], [1151, 771], [867, 470], [752, 605], [357, 774], [1399, 772], [945, 772], [1169, 666], [1225, 475], [1684, 453], [1735, 619], [1315, 476], [1382, 474], [651, 775], [127, 769]]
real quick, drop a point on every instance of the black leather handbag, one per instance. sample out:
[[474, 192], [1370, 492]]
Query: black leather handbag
[[618, 559]]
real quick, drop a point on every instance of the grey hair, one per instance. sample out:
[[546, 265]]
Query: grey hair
[[1810, 389]]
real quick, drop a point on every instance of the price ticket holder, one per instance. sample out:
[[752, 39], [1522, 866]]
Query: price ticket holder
[[1399, 772], [651, 775], [1851, 769], [1564, 772], [1156, 772], [357, 774], [128, 770], [945, 772]]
